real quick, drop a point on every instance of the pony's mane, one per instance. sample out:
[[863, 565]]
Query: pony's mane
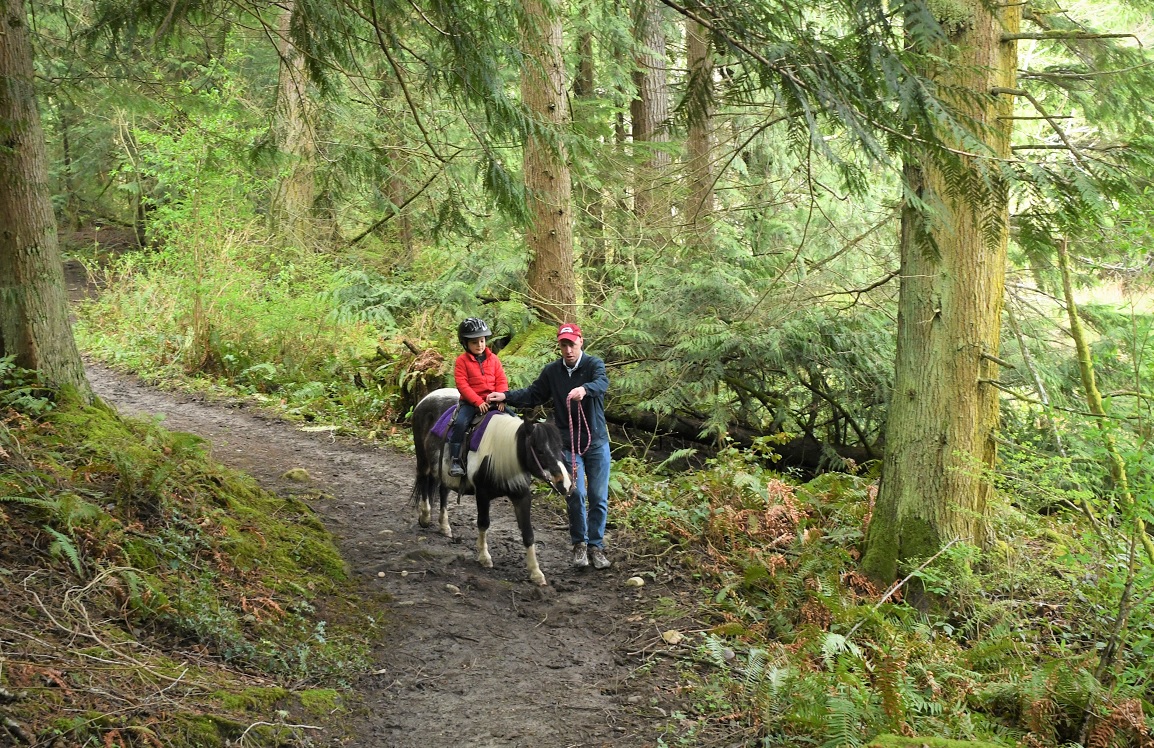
[[503, 462]]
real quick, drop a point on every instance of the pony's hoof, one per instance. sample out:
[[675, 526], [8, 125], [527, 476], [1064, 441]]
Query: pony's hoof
[[446, 531], [486, 561], [538, 579]]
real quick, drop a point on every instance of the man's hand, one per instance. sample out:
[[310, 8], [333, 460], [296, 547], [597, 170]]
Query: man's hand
[[577, 393], [495, 397]]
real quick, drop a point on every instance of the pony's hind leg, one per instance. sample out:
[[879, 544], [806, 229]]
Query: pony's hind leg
[[443, 525], [522, 510], [425, 490], [483, 557]]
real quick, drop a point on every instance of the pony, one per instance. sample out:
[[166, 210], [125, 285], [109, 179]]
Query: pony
[[510, 454]]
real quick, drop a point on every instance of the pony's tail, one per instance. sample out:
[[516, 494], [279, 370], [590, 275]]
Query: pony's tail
[[423, 488], [425, 485]]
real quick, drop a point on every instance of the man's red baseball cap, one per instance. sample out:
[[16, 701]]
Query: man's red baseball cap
[[569, 331]]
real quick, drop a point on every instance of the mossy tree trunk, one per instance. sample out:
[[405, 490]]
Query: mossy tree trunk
[[551, 281], [34, 324], [943, 412], [1115, 461], [590, 198], [296, 136], [699, 144], [650, 113]]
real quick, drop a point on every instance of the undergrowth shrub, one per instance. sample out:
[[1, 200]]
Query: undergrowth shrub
[[804, 649]]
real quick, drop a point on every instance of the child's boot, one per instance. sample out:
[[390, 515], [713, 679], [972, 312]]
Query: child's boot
[[456, 470]]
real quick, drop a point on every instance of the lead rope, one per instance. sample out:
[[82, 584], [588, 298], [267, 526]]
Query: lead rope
[[575, 448]]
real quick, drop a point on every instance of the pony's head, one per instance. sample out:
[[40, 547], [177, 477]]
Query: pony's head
[[544, 456]]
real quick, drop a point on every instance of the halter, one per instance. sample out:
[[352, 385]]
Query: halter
[[573, 444]]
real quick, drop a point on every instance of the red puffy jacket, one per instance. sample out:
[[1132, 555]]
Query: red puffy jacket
[[476, 379]]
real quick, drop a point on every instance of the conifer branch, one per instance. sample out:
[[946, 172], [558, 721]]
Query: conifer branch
[[396, 209], [1052, 120], [1062, 35], [1079, 76], [404, 87], [999, 361]]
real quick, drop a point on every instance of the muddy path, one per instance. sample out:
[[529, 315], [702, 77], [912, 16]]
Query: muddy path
[[471, 657]]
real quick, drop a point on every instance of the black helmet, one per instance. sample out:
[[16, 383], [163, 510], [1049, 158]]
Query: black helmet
[[472, 328]]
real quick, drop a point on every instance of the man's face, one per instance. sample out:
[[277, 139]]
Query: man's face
[[570, 350]]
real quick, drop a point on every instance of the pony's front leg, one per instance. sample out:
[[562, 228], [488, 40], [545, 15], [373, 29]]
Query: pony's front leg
[[483, 557], [443, 525], [522, 506]]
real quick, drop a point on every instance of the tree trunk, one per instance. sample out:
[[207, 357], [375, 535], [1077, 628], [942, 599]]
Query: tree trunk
[[34, 324], [650, 110], [943, 412], [1116, 463], [590, 199], [292, 208], [552, 283], [699, 147], [396, 186]]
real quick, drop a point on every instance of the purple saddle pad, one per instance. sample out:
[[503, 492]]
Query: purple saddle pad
[[441, 427]]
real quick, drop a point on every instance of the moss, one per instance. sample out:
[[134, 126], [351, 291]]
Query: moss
[[320, 701], [919, 539], [531, 341], [205, 731], [954, 16], [251, 699], [899, 741]]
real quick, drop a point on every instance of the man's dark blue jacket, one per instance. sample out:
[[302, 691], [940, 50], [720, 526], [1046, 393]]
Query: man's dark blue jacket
[[553, 385]]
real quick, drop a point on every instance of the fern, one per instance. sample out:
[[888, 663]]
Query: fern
[[63, 547], [844, 723]]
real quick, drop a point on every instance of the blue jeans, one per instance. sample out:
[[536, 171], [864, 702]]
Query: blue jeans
[[465, 413], [592, 482]]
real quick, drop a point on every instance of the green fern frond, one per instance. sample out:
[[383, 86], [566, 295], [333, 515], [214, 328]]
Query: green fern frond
[[64, 547]]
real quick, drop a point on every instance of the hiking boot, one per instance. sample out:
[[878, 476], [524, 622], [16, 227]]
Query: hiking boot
[[598, 557], [456, 470], [580, 555]]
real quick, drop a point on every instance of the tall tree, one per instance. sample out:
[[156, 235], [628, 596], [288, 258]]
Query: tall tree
[[34, 325], [943, 411], [650, 111], [699, 145], [551, 280], [590, 200], [296, 136]]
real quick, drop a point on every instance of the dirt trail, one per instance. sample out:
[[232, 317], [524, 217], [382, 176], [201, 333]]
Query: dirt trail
[[502, 662]]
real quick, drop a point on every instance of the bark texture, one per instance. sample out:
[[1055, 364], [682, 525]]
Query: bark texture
[[942, 415], [296, 191], [650, 112], [699, 145], [34, 325], [552, 281]]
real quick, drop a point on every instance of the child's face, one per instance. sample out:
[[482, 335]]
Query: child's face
[[476, 346]]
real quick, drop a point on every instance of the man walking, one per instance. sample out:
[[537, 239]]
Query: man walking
[[576, 385]]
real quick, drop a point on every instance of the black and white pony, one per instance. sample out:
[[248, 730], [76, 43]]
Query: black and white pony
[[511, 452]]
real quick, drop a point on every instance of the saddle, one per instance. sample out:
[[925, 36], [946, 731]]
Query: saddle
[[473, 431]]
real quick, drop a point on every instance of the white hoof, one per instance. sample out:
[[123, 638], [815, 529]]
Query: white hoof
[[445, 528], [534, 568]]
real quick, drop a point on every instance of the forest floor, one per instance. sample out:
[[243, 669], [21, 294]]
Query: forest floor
[[470, 657]]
